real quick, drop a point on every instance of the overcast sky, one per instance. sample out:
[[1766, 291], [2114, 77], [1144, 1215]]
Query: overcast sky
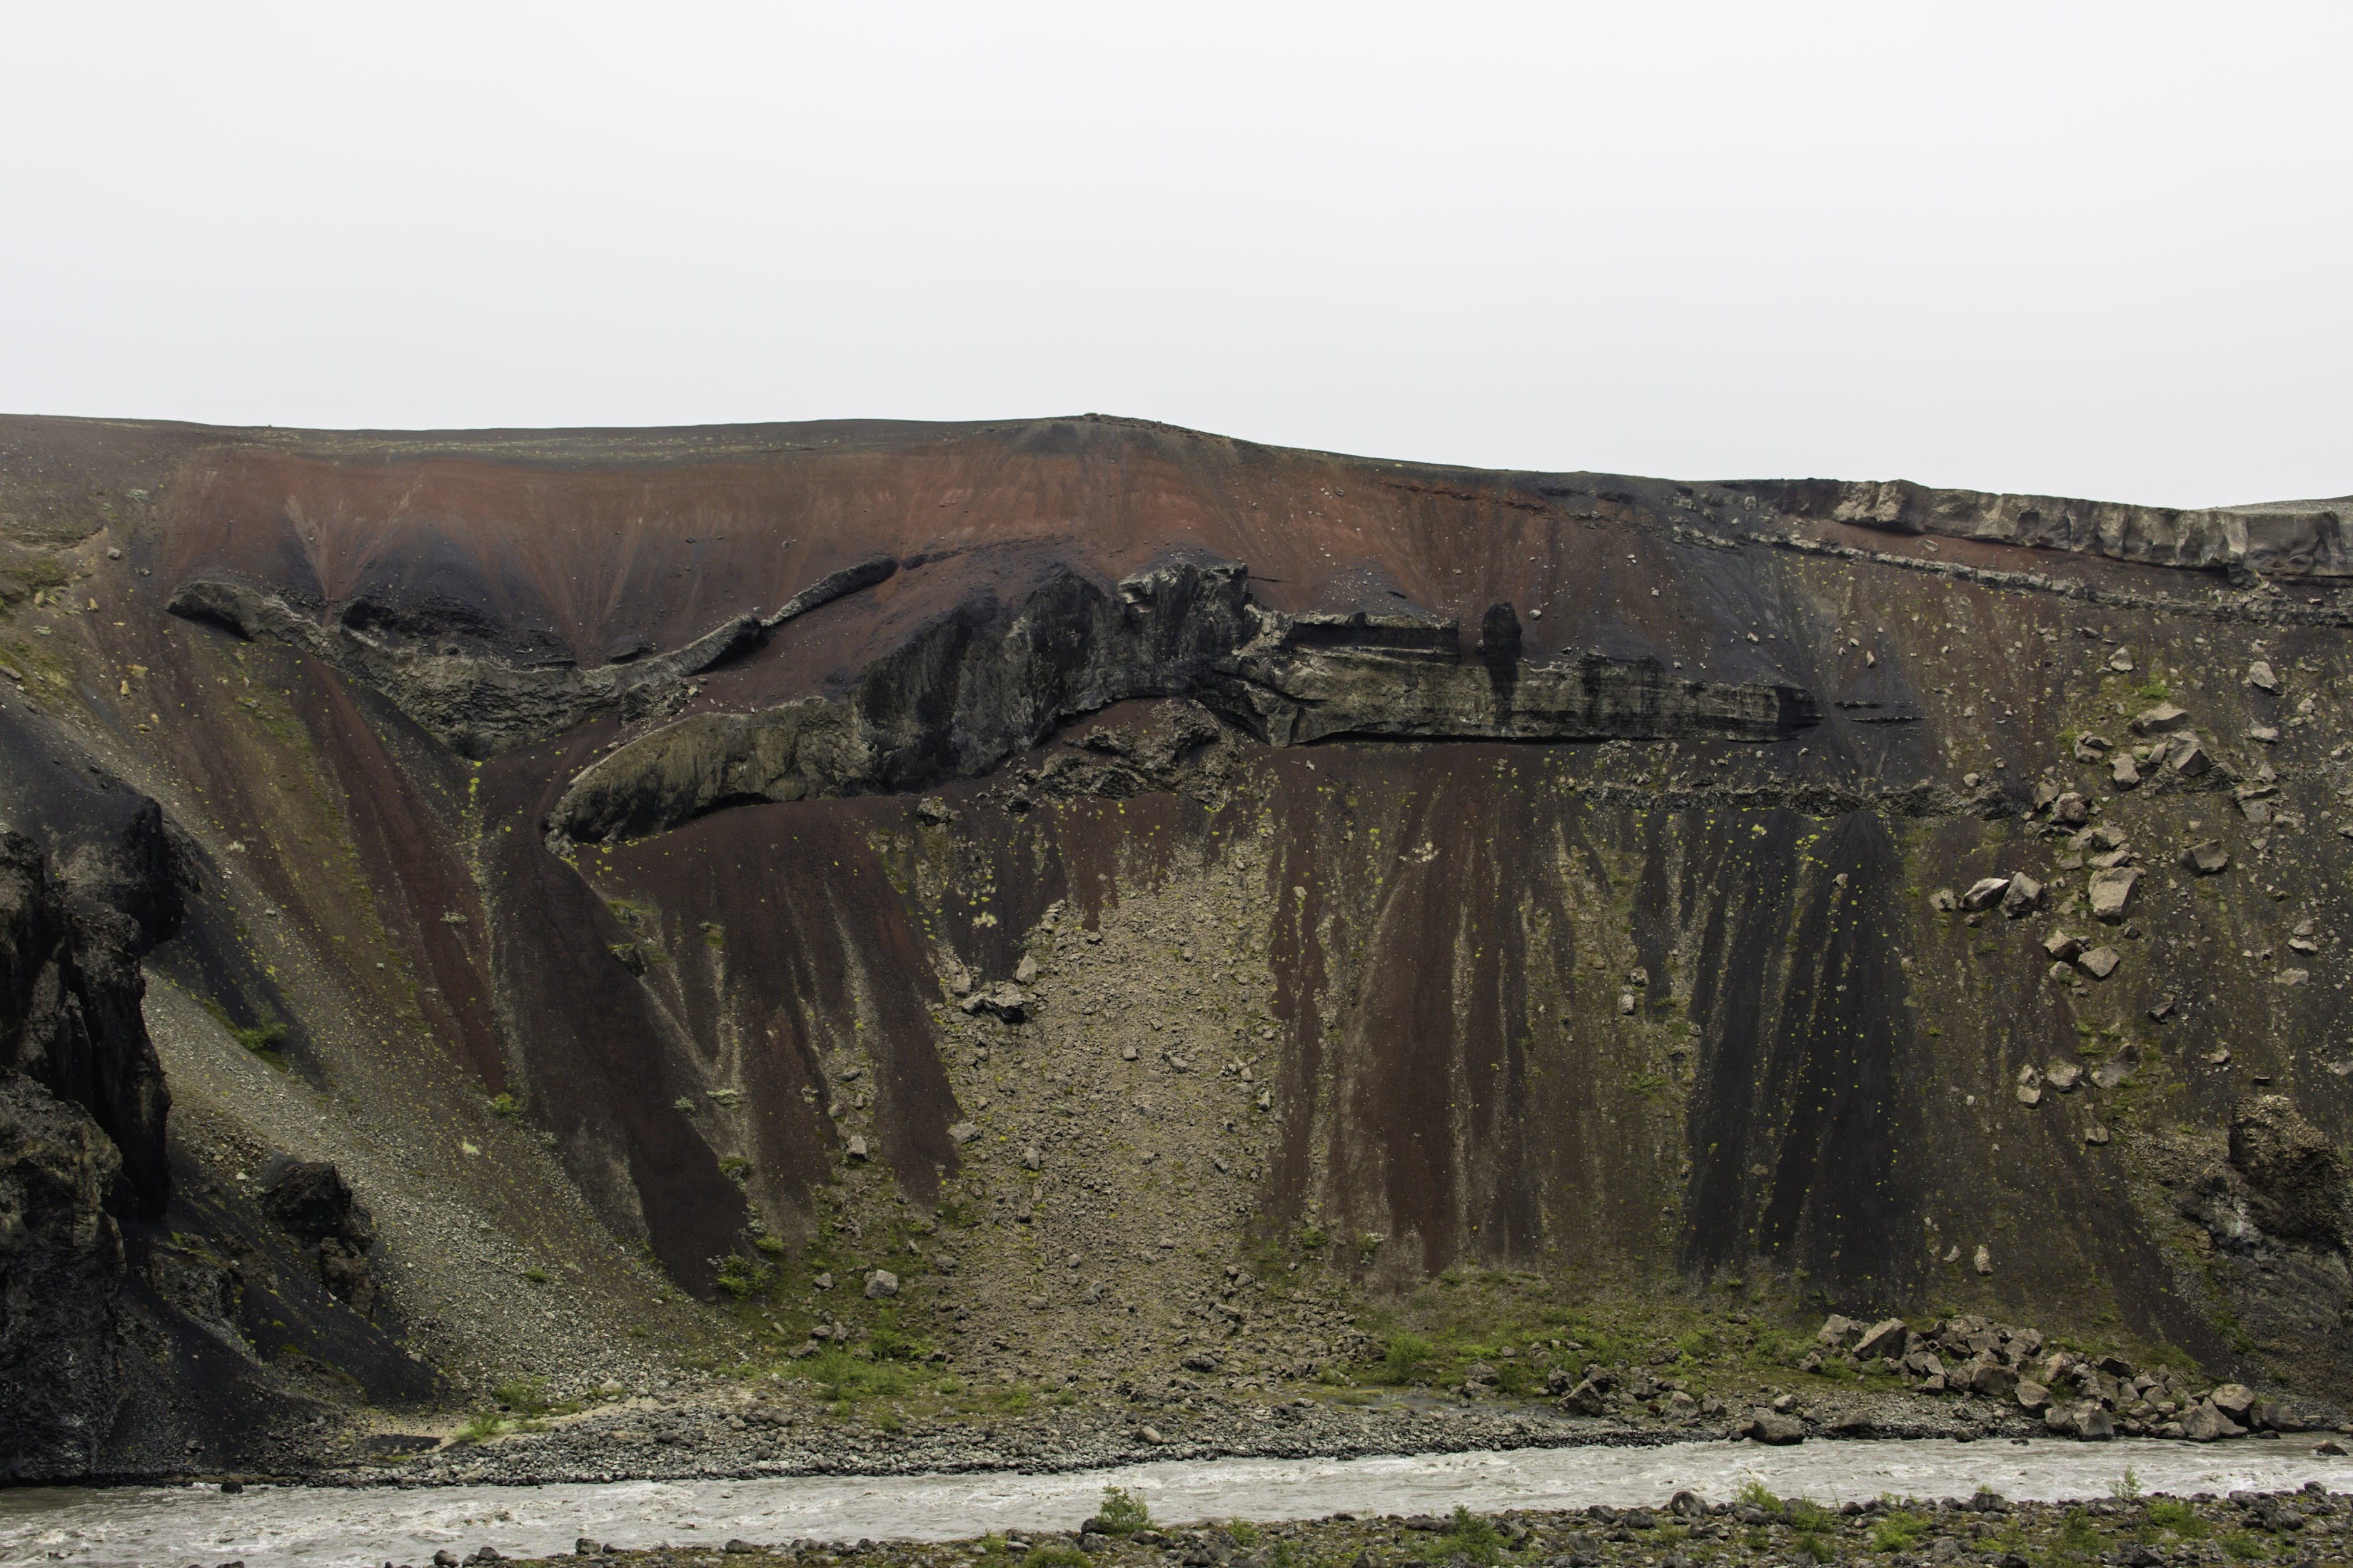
[[2091, 249]]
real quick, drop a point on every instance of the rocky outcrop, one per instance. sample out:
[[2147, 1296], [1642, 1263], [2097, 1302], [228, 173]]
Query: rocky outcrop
[[2294, 1177], [477, 704], [71, 991], [83, 1109], [991, 679], [60, 1274], [449, 675], [310, 1201], [2292, 539]]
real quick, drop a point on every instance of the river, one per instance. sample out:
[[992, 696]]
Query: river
[[281, 1527]]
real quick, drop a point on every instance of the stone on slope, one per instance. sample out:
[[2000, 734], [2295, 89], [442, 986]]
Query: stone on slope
[[2206, 857], [2111, 892], [1985, 892], [1882, 1338], [2021, 896]]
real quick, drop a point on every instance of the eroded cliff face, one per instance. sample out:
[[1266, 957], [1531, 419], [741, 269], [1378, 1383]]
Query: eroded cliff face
[[1050, 862]]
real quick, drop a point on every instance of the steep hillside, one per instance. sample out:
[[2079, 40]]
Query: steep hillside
[[1075, 904]]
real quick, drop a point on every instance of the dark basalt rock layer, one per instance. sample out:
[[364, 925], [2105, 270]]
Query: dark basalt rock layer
[[60, 1274], [70, 1015], [2297, 538], [989, 680]]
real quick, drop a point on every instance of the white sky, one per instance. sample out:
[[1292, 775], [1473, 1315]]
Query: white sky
[[2093, 250]]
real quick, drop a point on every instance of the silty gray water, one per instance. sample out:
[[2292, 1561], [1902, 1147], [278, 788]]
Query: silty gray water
[[281, 1527]]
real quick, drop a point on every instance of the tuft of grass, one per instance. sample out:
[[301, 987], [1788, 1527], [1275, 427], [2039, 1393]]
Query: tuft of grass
[[535, 1274], [2126, 1487], [844, 1377], [1898, 1532], [1404, 1357], [1123, 1511], [888, 1342], [2077, 1544], [2244, 1545], [1055, 1557], [1244, 1532], [506, 1105], [742, 1278], [1806, 1543], [524, 1396], [2173, 1514], [1471, 1537], [480, 1427], [1754, 1493], [1807, 1515]]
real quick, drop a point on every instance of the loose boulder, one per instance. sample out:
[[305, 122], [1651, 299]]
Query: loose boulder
[[2111, 892], [2203, 1424], [1985, 892], [1883, 1338], [1990, 1378], [2021, 897], [2235, 1401], [2206, 857]]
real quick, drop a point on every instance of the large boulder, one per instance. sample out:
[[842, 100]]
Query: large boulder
[[1989, 1377], [1588, 1398], [1885, 1338], [2111, 892], [1771, 1426], [2203, 1424], [2236, 1401], [1985, 892]]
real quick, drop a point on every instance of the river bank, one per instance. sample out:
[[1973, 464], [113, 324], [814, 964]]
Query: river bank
[[740, 1432]]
